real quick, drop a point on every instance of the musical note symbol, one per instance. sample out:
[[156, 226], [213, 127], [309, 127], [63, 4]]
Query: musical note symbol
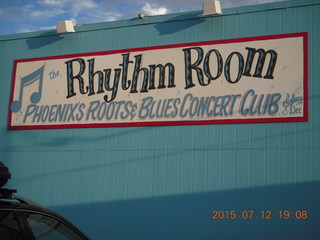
[[25, 81]]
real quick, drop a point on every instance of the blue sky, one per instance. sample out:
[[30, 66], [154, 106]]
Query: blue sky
[[17, 16]]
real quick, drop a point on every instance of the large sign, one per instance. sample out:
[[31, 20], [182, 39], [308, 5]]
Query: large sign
[[257, 79]]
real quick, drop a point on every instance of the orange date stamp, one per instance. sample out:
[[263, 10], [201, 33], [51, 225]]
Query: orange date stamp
[[265, 214]]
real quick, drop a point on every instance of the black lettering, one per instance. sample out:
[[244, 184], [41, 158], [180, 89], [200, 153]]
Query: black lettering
[[113, 88], [207, 68], [71, 77], [162, 74], [227, 67], [125, 63], [136, 73], [189, 67], [91, 78], [260, 62]]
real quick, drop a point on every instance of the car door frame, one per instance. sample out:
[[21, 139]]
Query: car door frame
[[25, 230], [48, 214]]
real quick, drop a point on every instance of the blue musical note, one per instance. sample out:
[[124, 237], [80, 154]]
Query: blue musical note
[[25, 81]]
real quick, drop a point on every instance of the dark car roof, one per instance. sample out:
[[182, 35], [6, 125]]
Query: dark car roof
[[10, 202], [17, 203], [27, 207]]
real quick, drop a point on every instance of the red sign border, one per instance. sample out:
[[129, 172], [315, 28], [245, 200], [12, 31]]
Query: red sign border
[[304, 118]]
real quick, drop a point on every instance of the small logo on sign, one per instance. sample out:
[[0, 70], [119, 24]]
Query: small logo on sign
[[36, 76]]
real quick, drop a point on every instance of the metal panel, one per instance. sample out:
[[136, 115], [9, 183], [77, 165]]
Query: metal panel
[[164, 182]]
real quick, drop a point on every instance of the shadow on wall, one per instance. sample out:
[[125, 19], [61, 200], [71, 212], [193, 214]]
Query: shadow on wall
[[43, 39], [179, 23], [173, 25], [190, 216]]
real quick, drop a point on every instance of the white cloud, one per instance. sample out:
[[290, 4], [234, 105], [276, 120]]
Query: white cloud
[[42, 13], [12, 13], [111, 17], [32, 28], [98, 16], [45, 13], [47, 27], [154, 9], [26, 28], [78, 6], [74, 7], [68, 3], [52, 2]]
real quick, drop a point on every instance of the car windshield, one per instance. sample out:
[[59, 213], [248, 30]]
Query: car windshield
[[45, 227], [9, 226]]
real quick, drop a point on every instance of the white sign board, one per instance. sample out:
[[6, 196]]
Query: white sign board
[[258, 79]]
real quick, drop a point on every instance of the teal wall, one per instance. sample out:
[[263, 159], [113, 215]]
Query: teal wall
[[164, 182]]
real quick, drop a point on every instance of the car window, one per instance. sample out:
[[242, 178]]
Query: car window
[[9, 226], [48, 228]]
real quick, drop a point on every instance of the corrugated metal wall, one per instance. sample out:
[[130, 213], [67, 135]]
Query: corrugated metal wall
[[164, 182]]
